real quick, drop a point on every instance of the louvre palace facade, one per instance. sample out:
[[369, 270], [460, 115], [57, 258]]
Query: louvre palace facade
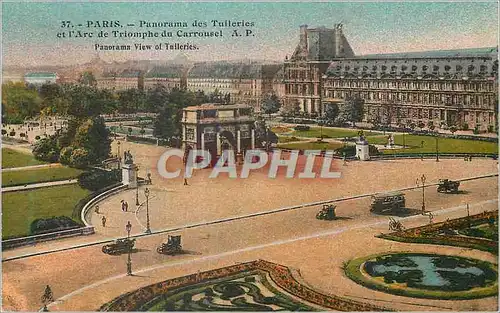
[[455, 87]]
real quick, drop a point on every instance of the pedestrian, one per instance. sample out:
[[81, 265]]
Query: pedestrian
[[123, 205], [126, 206], [103, 221], [470, 158], [97, 209], [186, 182]]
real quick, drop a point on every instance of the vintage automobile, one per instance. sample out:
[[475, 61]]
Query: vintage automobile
[[388, 202], [172, 246], [446, 185], [119, 246], [327, 213]]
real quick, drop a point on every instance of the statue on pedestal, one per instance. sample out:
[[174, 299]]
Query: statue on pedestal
[[127, 157]]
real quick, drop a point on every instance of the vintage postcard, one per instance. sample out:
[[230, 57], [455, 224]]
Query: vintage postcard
[[239, 156]]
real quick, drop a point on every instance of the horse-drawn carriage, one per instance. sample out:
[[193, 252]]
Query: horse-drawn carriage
[[172, 246], [392, 202], [446, 185], [119, 246], [327, 213]]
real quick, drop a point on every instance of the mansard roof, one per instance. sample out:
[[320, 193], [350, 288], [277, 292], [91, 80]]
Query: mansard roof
[[480, 63]]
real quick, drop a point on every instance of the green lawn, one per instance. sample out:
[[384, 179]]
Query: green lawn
[[315, 132], [12, 158], [446, 145], [20, 208], [311, 145], [285, 139], [38, 175]]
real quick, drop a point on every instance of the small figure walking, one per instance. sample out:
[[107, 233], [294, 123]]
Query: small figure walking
[[103, 221], [149, 179], [97, 209], [470, 158], [47, 298], [125, 206], [186, 182]]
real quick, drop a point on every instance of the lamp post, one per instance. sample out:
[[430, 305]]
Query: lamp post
[[137, 186], [148, 226], [421, 181], [437, 148], [128, 227], [118, 144]]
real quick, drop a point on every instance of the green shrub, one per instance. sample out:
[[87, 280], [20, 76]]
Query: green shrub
[[79, 158], [65, 155], [12, 133], [98, 179], [53, 224]]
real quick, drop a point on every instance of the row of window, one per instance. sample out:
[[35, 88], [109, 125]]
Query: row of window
[[483, 68], [469, 100], [414, 85], [422, 113]]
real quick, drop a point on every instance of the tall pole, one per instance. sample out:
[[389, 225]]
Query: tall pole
[[422, 179], [148, 226], [137, 186], [437, 149]]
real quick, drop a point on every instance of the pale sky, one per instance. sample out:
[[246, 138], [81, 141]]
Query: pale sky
[[29, 30]]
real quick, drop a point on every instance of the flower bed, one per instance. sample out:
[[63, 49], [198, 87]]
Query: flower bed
[[438, 233], [281, 275]]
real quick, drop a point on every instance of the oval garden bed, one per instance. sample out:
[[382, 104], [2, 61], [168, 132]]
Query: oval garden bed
[[423, 275]]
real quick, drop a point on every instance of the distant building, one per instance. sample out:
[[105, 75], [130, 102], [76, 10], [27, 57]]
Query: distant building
[[128, 79], [244, 82], [40, 78], [458, 87]]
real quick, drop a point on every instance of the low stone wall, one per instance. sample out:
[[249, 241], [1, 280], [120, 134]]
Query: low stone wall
[[85, 214], [30, 240]]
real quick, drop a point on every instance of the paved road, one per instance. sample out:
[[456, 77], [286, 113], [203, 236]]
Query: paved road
[[40, 185]]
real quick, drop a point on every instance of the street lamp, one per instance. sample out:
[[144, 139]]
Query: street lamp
[[437, 148], [421, 181], [148, 226], [118, 144], [128, 227], [137, 186]]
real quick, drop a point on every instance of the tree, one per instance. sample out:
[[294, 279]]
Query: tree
[[352, 110], [4, 132], [167, 123], [331, 112], [19, 102], [80, 158], [93, 136], [87, 78], [129, 130], [46, 149], [271, 104], [65, 155]]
